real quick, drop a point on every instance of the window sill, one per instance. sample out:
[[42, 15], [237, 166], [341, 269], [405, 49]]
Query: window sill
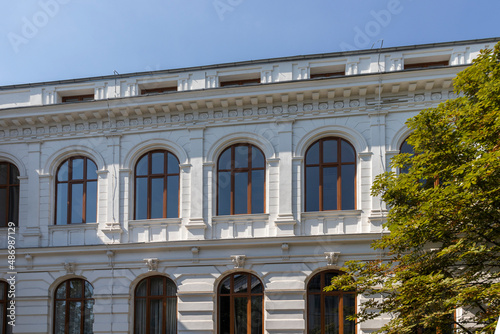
[[332, 213]]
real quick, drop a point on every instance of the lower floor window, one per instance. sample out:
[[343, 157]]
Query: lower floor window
[[327, 312], [74, 307]]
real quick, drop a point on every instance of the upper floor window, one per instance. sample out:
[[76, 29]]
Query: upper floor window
[[9, 194], [155, 306], [330, 175], [74, 307], [241, 297], [76, 191], [5, 328], [78, 98], [159, 90], [157, 186], [327, 311], [241, 177], [406, 148]]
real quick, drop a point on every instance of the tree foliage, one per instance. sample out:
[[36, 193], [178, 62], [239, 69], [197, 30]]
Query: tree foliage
[[443, 250]]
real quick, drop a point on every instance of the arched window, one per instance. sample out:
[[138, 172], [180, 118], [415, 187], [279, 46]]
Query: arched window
[[76, 191], [9, 194], [406, 148], [241, 176], [327, 311], [74, 307], [241, 298], [155, 306], [157, 186], [5, 328], [330, 175]]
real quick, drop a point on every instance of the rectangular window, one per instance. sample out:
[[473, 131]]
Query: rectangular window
[[242, 82], [426, 64], [159, 90], [78, 98]]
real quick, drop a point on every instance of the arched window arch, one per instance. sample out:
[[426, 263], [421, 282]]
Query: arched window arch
[[155, 306], [157, 185], [241, 178], [76, 191], [9, 194], [241, 298], [5, 328], [330, 175], [74, 307], [327, 311]]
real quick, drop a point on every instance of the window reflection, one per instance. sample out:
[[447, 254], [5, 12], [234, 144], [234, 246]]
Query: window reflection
[[9, 194]]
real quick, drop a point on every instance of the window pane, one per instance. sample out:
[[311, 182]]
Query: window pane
[[256, 285], [225, 159], [256, 316], [141, 198], [60, 317], [224, 200], [3, 206], [142, 166], [75, 288], [330, 151], [13, 204], [173, 164], [240, 192], [240, 315], [348, 172], [77, 203], [61, 291], [240, 156], [312, 188], [312, 156], [347, 152], [89, 290], [314, 313], [331, 315], [257, 158], [258, 191], [315, 284], [328, 278], [91, 170], [156, 286], [62, 174], [157, 198], [329, 188], [77, 169], [407, 148], [141, 289], [14, 173], [75, 317], [240, 284], [2, 290], [224, 315], [349, 309], [88, 322], [91, 210], [156, 316], [62, 204], [140, 316], [171, 288], [171, 315], [158, 163], [173, 196], [225, 286], [3, 173]]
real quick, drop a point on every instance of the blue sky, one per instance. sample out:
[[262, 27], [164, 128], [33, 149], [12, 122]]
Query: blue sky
[[45, 40]]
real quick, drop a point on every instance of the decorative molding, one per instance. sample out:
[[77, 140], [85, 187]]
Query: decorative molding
[[111, 257], [69, 267], [285, 251], [238, 261], [152, 264], [332, 258], [29, 261], [195, 251]]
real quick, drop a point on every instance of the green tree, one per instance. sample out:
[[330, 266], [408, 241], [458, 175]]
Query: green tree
[[443, 249]]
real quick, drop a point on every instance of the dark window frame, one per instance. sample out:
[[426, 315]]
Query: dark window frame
[[232, 295], [72, 182], [67, 299], [233, 170], [240, 82], [163, 297], [78, 98], [423, 65], [151, 176], [8, 186], [322, 165], [323, 293], [327, 75]]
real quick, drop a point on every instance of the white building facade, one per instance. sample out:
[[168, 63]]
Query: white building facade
[[214, 199]]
